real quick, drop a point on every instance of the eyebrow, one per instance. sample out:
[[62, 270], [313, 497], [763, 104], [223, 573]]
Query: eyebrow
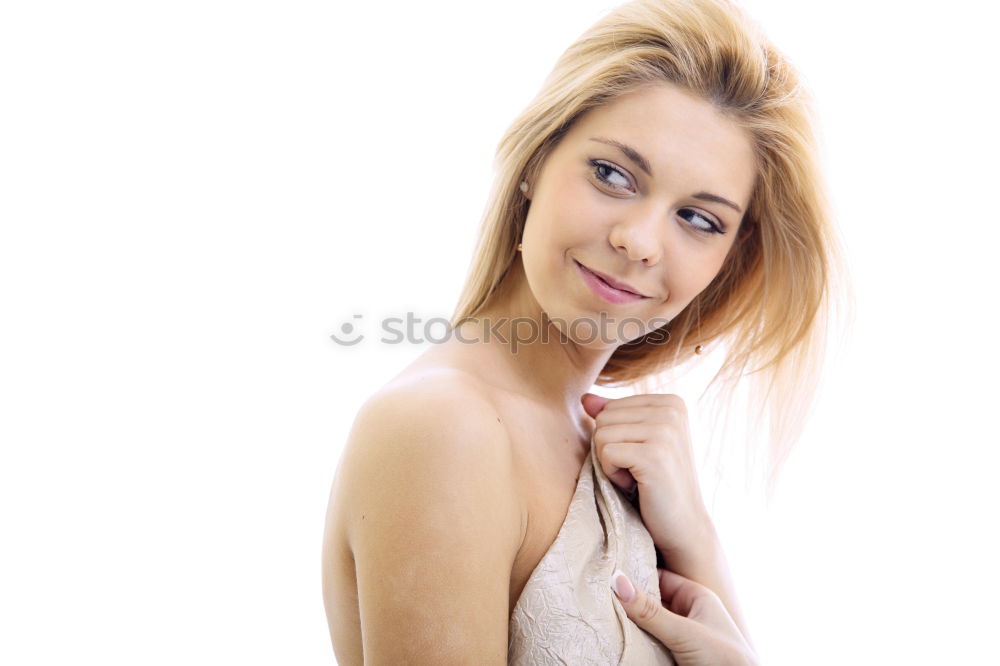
[[643, 163]]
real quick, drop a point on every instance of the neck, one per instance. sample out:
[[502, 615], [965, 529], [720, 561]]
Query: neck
[[527, 351]]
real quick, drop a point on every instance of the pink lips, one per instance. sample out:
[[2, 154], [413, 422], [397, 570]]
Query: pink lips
[[603, 287]]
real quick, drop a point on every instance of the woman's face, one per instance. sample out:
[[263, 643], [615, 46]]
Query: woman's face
[[636, 190]]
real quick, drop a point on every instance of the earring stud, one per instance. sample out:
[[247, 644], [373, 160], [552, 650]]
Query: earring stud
[[524, 186], [699, 349], [519, 247]]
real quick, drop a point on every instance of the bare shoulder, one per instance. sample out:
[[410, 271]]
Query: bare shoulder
[[433, 519], [441, 423]]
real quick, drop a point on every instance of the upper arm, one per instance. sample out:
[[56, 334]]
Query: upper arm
[[434, 524]]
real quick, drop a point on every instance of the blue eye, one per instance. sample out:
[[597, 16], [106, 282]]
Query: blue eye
[[604, 172], [710, 226]]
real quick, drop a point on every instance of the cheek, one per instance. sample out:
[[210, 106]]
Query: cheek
[[693, 273], [572, 212]]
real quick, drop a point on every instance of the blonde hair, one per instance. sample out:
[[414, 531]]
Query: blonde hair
[[770, 303]]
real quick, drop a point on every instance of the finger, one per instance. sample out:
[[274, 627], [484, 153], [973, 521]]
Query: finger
[[640, 414], [628, 446], [651, 400], [614, 466], [677, 592], [693, 600], [675, 631], [627, 432], [637, 458], [625, 482], [593, 404]]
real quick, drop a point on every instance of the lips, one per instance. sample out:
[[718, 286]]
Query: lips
[[610, 281]]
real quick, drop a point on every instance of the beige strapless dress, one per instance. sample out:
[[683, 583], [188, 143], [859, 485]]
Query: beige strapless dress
[[567, 613]]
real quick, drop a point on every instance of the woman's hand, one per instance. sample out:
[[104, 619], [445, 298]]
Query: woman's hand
[[691, 621], [643, 444]]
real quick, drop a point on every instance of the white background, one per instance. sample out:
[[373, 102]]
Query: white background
[[195, 195]]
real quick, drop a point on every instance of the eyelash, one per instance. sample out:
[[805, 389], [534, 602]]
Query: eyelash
[[598, 164]]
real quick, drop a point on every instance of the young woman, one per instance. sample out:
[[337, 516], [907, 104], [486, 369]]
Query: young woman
[[660, 194]]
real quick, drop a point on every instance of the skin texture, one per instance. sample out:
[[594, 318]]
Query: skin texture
[[503, 430], [427, 519]]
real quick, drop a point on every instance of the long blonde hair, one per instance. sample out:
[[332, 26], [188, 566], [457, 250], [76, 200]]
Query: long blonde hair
[[771, 302]]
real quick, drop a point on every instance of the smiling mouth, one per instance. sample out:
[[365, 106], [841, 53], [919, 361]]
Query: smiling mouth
[[608, 284], [604, 290]]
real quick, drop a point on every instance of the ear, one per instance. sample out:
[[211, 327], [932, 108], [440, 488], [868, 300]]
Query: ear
[[531, 173], [526, 190]]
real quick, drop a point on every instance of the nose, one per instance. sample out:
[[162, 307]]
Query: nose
[[638, 233]]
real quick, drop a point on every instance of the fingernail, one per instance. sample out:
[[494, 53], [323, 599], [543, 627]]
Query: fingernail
[[622, 587]]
